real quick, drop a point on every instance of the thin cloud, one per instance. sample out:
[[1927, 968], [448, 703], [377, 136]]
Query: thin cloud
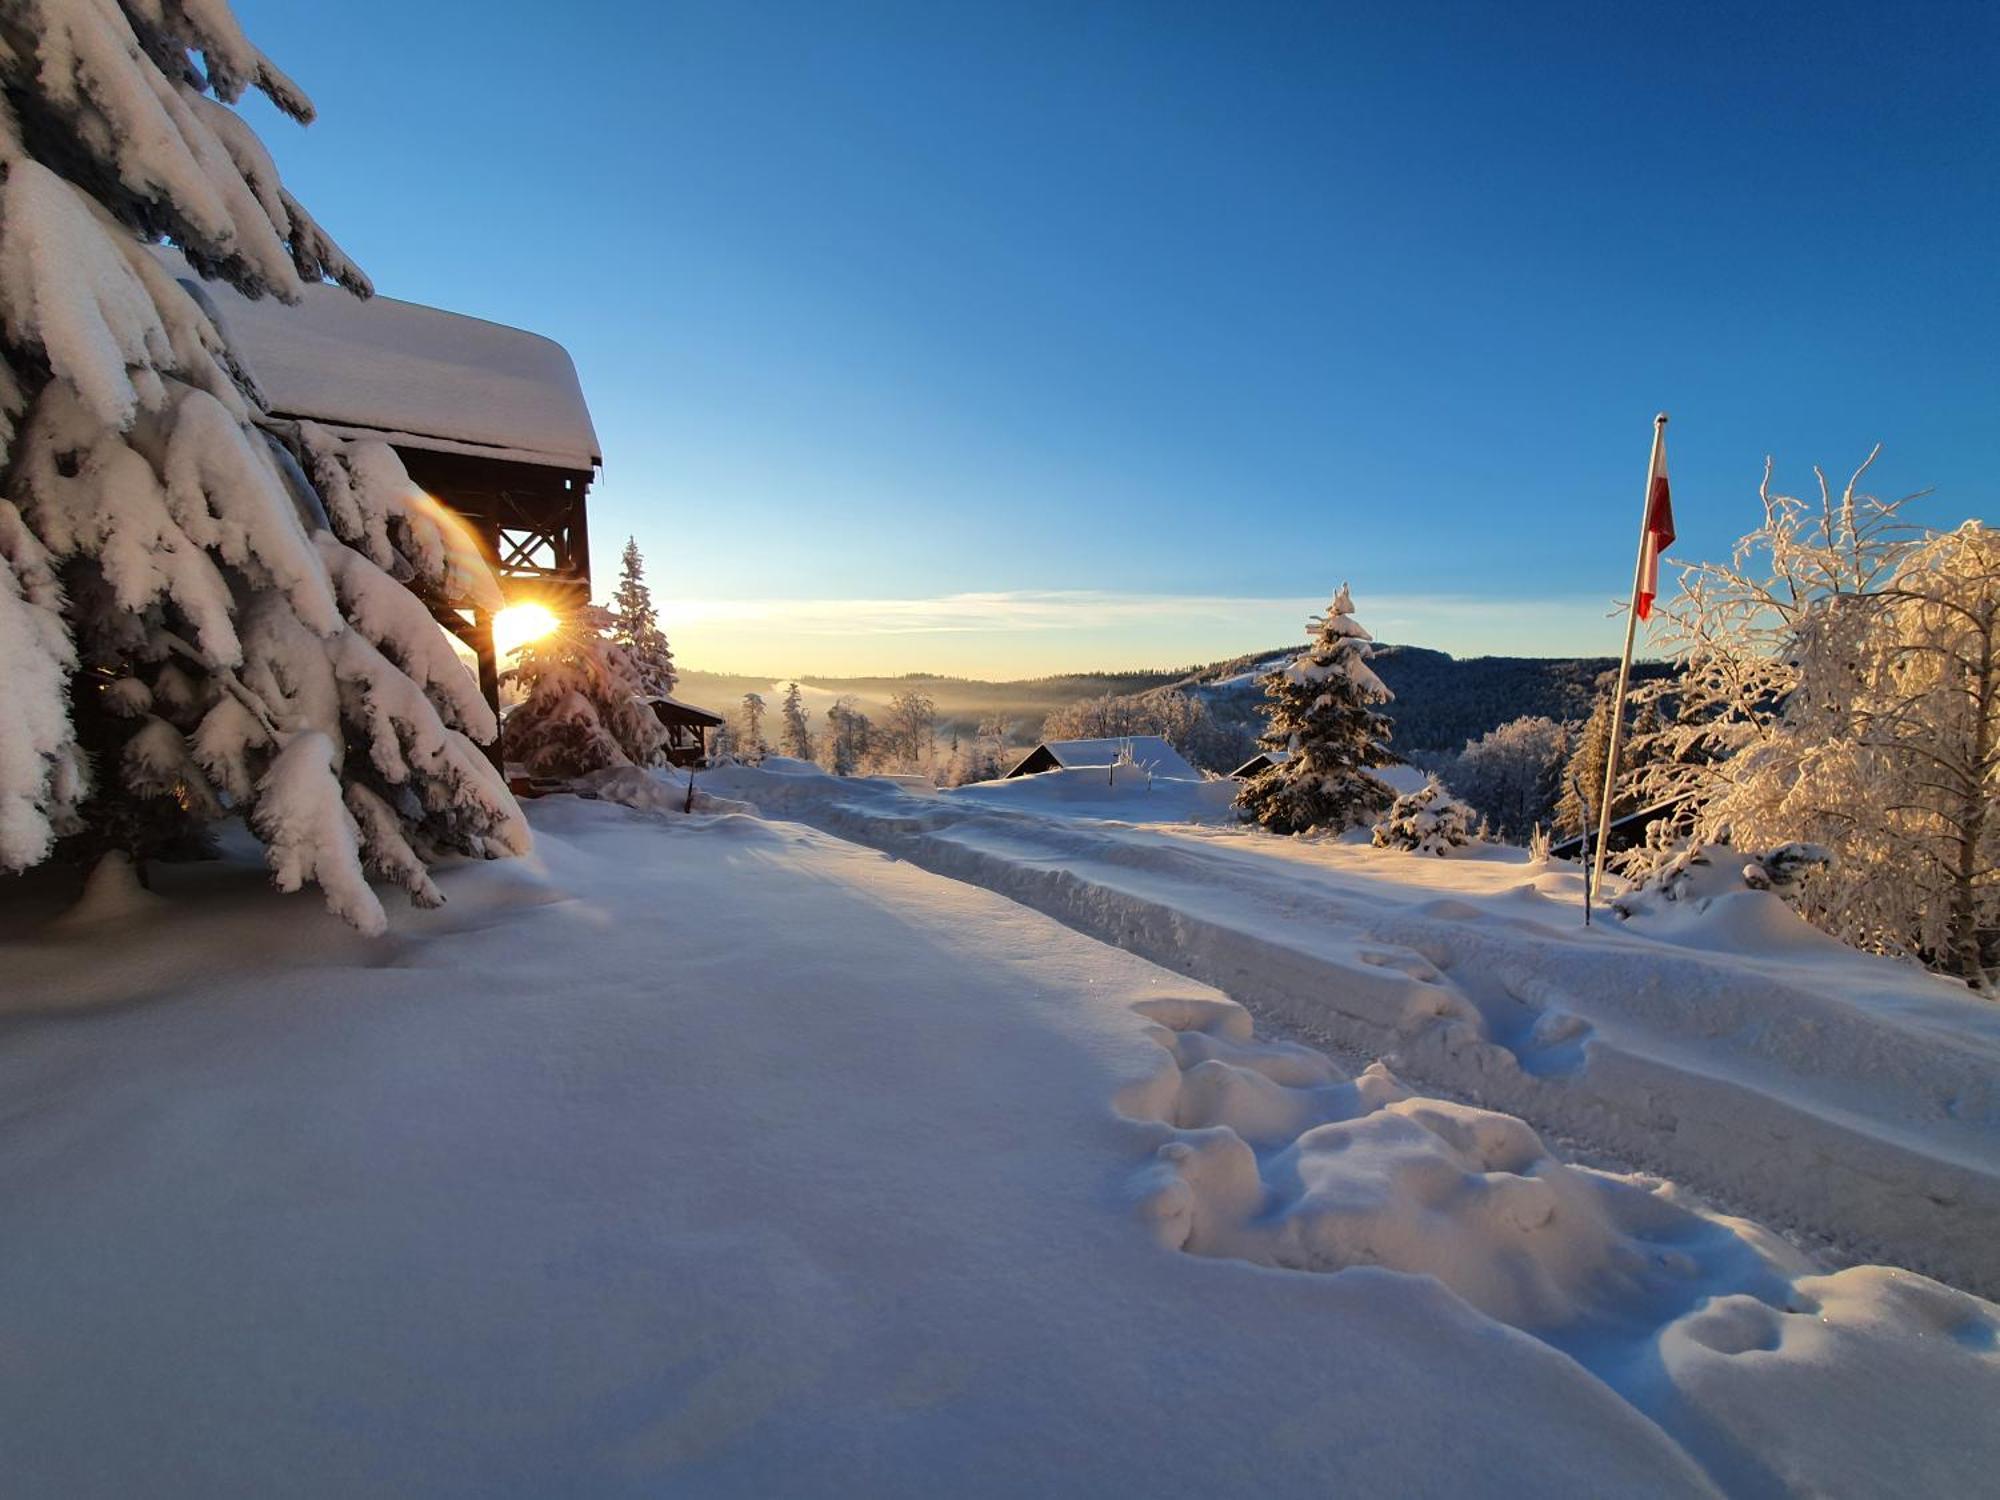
[[1087, 611]]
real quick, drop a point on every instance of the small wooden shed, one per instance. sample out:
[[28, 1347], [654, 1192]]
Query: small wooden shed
[[1259, 763], [489, 420], [1149, 751], [1628, 831], [688, 729]]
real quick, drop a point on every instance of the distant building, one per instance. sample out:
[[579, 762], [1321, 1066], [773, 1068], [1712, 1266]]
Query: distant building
[[687, 729], [489, 420], [1149, 753], [1259, 763], [1627, 832]]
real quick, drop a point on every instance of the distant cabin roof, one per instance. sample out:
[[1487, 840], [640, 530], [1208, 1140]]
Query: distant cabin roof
[[673, 710], [1262, 760], [1148, 750], [414, 376]]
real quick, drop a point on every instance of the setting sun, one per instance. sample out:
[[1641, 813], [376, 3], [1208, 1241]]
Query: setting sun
[[518, 624]]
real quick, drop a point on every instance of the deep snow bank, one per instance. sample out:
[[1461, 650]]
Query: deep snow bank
[[1777, 1378], [1848, 1098]]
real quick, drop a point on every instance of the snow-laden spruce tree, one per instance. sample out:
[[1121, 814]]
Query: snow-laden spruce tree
[[1322, 717], [584, 703], [796, 738], [1582, 775], [1427, 821], [752, 745], [636, 626], [202, 613]]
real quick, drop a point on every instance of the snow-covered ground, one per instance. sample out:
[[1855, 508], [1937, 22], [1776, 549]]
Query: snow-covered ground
[[1851, 1099], [714, 1155]]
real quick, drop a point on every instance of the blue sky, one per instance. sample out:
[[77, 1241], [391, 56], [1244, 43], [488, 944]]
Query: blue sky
[[1016, 337]]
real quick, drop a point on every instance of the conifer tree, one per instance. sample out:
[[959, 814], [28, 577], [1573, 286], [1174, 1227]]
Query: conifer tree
[[585, 708], [203, 612], [796, 741], [753, 727], [1322, 718], [636, 626], [1642, 745], [1583, 773]]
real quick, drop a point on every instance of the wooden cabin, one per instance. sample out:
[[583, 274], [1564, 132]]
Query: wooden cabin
[[1149, 752], [489, 420], [1259, 763], [1628, 831], [688, 730]]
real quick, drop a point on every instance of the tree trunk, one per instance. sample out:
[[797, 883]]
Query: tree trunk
[[1974, 810]]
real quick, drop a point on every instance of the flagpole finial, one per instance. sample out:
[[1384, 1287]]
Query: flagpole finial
[[1660, 420]]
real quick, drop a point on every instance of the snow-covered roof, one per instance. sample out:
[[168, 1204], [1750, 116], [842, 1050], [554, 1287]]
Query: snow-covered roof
[[692, 710], [1148, 750], [416, 376]]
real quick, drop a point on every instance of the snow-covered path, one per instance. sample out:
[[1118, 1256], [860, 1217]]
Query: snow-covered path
[[704, 1157], [1848, 1098]]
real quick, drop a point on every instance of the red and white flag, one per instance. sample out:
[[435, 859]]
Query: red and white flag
[[1659, 529]]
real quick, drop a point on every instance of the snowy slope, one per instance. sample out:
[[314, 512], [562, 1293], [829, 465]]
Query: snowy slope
[[707, 1159], [714, 1156], [1848, 1098]]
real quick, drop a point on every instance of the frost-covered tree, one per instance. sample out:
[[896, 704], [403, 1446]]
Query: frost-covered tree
[[1182, 719], [977, 756], [1427, 821], [850, 738], [1888, 754], [1512, 774], [796, 738], [723, 749], [1839, 690], [909, 738], [752, 740], [1322, 717], [636, 626], [584, 704], [1739, 630], [203, 612]]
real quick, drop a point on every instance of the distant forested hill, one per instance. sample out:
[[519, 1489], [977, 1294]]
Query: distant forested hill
[[1441, 701]]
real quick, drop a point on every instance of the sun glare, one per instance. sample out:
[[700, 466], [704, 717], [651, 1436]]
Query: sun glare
[[518, 624]]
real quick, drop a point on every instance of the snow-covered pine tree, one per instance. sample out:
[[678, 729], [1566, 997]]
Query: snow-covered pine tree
[[796, 740], [201, 612], [585, 706], [1583, 772], [1644, 743], [1321, 716], [636, 626], [752, 748], [1427, 821]]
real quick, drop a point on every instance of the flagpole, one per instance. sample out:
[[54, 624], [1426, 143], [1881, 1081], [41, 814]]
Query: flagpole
[[1625, 664]]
